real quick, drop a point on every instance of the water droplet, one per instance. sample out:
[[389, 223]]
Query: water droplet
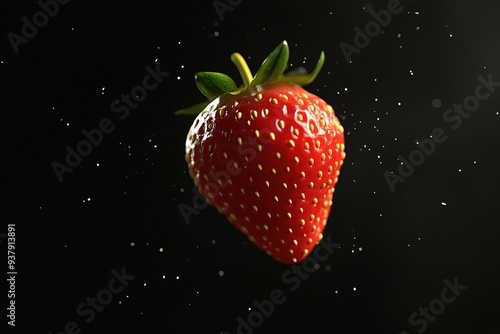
[[436, 103]]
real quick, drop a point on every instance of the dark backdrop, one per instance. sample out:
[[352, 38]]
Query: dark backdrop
[[117, 213]]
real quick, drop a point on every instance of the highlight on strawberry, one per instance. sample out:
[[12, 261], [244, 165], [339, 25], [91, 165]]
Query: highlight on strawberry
[[267, 154]]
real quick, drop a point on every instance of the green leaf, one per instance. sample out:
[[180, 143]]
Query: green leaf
[[303, 80], [296, 72], [273, 67], [213, 84], [193, 110]]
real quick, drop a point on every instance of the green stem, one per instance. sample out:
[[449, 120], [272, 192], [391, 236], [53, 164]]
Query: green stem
[[242, 66]]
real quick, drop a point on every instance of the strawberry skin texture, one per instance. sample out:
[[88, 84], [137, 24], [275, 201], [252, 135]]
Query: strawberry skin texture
[[268, 159]]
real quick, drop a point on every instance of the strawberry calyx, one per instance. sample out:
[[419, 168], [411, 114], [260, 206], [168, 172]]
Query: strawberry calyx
[[215, 84]]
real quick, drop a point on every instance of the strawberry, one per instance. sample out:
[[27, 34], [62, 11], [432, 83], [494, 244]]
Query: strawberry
[[267, 154]]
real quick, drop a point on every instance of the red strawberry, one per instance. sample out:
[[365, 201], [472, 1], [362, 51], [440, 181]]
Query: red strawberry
[[267, 155]]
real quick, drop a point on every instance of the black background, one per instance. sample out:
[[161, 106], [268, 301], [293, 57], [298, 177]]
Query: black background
[[200, 277]]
